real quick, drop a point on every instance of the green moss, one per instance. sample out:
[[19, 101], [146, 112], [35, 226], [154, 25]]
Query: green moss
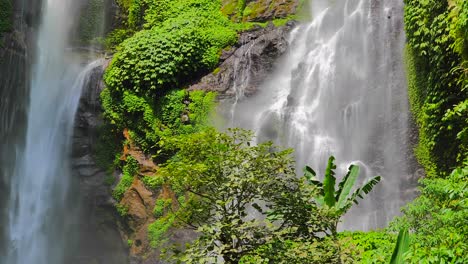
[[216, 71], [153, 183], [161, 206], [254, 9], [416, 94], [128, 173], [158, 228], [229, 7], [122, 210], [130, 243]]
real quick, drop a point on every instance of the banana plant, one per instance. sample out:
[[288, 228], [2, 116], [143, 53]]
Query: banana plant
[[340, 199]]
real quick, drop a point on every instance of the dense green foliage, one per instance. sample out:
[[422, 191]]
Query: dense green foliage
[[369, 247], [438, 80], [6, 15], [225, 180], [128, 172], [181, 40], [438, 220]]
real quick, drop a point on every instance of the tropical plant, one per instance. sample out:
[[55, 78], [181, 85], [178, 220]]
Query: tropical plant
[[339, 199]]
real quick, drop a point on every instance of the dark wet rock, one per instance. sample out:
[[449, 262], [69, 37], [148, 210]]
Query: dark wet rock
[[100, 237], [249, 62]]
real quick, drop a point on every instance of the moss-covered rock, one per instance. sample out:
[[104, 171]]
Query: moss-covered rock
[[260, 10]]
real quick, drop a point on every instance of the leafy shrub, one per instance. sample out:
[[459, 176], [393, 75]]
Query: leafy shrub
[[122, 210], [128, 172], [153, 183], [369, 247], [178, 112], [438, 220], [161, 206], [158, 229], [283, 252], [116, 37], [156, 59]]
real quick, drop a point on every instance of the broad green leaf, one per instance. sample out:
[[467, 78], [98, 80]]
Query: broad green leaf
[[346, 185], [310, 175], [366, 188], [329, 183], [401, 247]]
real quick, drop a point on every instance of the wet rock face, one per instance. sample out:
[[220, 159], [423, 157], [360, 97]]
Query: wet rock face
[[248, 63], [100, 237]]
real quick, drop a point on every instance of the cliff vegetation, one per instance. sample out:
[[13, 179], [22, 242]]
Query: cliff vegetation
[[198, 185]]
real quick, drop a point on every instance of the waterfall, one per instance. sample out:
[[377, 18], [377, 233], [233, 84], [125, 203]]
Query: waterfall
[[341, 91], [41, 209]]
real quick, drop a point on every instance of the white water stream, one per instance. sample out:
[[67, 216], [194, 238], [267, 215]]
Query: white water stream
[[341, 91], [40, 214]]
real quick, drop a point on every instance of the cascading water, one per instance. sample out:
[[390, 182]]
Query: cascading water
[[341, 91], [40, 211], [241, 80]]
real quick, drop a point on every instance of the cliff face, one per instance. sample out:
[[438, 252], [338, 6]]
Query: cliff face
[[248, 63], [100, 238]]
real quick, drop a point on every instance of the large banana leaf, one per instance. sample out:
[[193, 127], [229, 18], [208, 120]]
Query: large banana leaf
[[310, 175], [401, 247], [329, 183], [366, 188], [345, 186]]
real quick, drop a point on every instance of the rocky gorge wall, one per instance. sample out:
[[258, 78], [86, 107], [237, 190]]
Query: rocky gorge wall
[[100, 240]]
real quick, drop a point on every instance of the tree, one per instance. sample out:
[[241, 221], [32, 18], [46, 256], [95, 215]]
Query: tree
[[226, 182]]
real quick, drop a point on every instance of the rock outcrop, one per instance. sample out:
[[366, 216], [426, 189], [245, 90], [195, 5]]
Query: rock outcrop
[[100, 236], [248, 63], [260, 10]]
